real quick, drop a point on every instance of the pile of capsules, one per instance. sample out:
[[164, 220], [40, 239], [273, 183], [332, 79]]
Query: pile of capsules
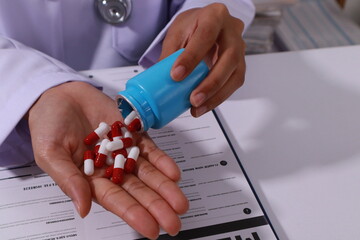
[[114, 148]]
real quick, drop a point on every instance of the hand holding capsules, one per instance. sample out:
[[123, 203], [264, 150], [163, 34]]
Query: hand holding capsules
[[58, 122], [209, 33]]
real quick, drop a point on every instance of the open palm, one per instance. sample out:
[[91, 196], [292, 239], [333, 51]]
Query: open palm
[[146, 200]]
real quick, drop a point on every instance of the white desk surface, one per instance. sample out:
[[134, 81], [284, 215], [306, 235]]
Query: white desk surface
[[295, 125]]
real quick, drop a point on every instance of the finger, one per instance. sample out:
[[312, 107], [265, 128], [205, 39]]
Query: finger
[[200, 43], [60, 167], [155, 204], [173, 41], [235, 81], [165, 187], [115, 199], [158, 158], [230, 54]]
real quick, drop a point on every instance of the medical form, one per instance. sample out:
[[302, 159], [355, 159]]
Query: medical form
[[222, 203]]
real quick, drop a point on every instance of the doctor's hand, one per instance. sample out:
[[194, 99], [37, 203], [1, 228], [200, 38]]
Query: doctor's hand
[[209, 33], [146, 200]]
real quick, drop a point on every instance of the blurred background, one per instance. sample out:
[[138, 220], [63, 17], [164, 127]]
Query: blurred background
[[290, 25]]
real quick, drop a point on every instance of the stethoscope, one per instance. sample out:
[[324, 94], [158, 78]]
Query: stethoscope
[[114, 11]]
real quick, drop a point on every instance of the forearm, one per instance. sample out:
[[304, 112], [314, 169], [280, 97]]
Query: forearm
[[25, 75]]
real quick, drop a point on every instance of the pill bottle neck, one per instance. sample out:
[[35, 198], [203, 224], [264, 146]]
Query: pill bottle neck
[[132, 99]]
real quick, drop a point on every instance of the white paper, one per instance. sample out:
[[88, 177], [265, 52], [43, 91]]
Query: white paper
[[222, 204]]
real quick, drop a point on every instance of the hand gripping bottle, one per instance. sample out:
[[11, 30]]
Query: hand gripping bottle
[[155, 97]]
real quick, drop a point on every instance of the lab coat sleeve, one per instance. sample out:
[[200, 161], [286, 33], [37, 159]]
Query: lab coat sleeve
[[241, 9], [24, 75]]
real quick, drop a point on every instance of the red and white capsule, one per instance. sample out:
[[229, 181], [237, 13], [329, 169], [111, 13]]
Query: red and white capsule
[[119, 144], [124, 130], [134, 125], [127, 134], [98, 133], [118, 170], [129, 118], [109, 135], [116, 130], [109, 171], [97, 146], [89, 162], [109, 160], [101, 156], [120, 151], [131, 159]]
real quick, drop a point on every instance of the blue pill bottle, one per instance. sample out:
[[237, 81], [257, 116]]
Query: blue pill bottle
[[155, 97]]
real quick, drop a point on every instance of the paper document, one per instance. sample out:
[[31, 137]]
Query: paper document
[[222, 203]]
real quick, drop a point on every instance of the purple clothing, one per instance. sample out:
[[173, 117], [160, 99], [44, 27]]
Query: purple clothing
[[44, 43]]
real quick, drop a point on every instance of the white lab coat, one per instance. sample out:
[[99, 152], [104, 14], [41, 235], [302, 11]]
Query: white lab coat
[[44, 43]]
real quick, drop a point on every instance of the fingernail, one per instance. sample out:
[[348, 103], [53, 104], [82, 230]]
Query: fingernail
[[173, 234], [77, 207], [178, 72], [200, 111], [199, 99]]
